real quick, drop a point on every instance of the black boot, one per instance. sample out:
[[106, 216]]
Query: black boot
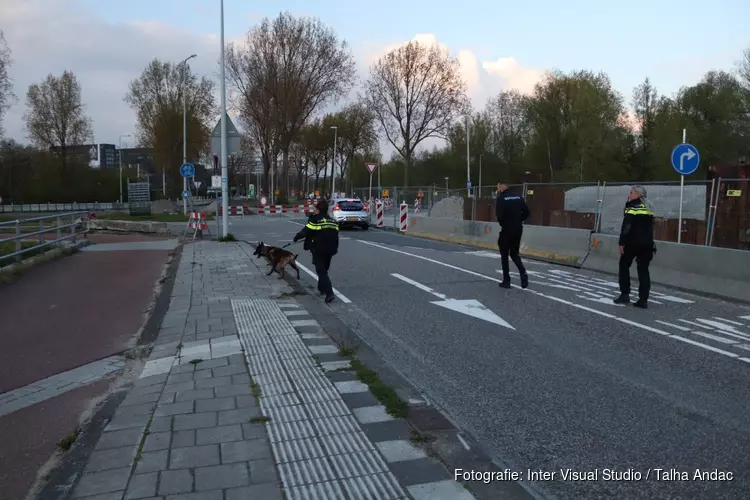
[[641, 304], [622, 299], [504, 284], [329, 298], [524, 280]]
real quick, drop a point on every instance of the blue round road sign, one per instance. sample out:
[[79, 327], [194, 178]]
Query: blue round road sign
[[685, 158], [187, 170]]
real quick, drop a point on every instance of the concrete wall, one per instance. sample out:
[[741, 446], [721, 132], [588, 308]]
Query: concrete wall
[[716, 271]]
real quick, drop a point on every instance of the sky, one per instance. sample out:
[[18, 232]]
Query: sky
[[500, 45]]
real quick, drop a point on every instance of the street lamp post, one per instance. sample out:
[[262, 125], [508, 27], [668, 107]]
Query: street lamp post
[[480, 175], [184, 127], [224, 153], [468, 159], [333, 162], [120, 144]]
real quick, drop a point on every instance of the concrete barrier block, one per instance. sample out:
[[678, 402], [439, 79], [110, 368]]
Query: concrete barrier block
[[722, 272], [553, 244]]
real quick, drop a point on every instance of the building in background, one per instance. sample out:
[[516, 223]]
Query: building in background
[[94, 155]]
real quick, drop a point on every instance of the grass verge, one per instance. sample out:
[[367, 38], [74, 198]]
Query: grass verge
[[394, 405], [66, 442], [228, 237]]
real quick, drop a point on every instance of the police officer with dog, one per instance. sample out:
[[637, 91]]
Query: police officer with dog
[[321, 235], [636, 243], [511, 211]]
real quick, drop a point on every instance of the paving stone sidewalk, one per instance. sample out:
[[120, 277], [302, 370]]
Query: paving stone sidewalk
[[197, 426]]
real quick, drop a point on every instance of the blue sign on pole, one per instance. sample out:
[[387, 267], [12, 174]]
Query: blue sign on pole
[[186, 194], [685, 158], [187, 170]]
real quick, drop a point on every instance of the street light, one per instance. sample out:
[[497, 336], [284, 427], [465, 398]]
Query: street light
[[468, 159], [480, 175], [120, 144], [184, 128], [224, 154], [333, 162]]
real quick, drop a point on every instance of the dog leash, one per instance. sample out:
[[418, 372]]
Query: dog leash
[[290, 243]]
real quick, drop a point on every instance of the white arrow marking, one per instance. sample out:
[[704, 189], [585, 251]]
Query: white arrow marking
[[745, 317], [470, 307], [689, 154]]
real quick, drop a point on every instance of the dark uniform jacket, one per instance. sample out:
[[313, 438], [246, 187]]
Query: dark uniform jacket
[[321, 235], [637, 226], [511, 211]]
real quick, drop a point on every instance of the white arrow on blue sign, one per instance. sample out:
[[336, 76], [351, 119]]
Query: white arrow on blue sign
[[187, 170], [685, 158], [185, 194]]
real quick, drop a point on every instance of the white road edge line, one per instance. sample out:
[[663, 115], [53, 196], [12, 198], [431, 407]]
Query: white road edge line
[[340, 295], [562, 301], [463, 442], [422, 287]]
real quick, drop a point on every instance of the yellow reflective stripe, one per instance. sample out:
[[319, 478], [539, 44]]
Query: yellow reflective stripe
[[312, 226], [323, 224], [638, 211]]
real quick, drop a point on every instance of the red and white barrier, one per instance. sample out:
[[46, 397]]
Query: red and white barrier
[[379, 214], [198, 222], [404, 217], [261, 209], [235, 210]]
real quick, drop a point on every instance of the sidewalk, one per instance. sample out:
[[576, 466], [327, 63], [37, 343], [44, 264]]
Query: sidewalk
[[197, 426]]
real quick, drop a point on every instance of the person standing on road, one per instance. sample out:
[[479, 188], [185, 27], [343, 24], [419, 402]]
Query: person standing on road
[[636, 242], [321, 236], [511, 210]]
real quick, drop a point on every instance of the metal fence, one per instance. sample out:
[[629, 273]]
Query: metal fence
[[715, 213], [32, 236]]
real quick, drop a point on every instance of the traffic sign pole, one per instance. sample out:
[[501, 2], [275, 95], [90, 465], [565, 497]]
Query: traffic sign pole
[[685, 161], [682, 191], [371, 168]]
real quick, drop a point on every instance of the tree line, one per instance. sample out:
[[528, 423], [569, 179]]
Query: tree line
[[574, 126]]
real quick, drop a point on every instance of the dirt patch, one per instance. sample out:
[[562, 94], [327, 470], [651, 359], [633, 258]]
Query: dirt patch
[[123, 238]]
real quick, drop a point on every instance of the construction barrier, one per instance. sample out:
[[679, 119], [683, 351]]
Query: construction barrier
[[724, 272], [235, 210], [198, 222], [404, 218], [379, 214]]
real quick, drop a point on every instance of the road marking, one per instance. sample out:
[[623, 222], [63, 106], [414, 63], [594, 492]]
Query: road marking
[[726, 329], [470, 307], [745, 317], [422, 287], [714, 337], [463, 442], [681, 328], [562, 301], [340, 295], [729, 321], [695, 324]]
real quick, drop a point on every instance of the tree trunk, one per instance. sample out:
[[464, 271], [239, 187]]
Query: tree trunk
[[406, 169]]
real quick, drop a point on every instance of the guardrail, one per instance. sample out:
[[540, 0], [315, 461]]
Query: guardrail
[[65, 229], [61, 207]]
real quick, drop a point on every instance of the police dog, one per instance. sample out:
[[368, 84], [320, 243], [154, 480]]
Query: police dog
[[277, 257]]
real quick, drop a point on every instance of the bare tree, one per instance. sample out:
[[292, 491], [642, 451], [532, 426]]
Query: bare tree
[[56, 117], [315, 144], [359, 135], [157, 98], [293, 67], [6, 85], [415, 92]]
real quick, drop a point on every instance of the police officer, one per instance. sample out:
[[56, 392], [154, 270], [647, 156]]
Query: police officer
[[511, 210], [321, 235], [636, 242]]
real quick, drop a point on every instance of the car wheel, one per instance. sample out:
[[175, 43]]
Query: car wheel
[[365, 227]]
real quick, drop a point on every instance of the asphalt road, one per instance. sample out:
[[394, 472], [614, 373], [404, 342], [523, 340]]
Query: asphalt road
[[577, 382]]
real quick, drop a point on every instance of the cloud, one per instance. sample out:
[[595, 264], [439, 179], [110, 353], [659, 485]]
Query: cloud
[[53, 36], [483, 79]]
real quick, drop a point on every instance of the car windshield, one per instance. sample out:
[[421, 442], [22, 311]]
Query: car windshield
[[350, 205]]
